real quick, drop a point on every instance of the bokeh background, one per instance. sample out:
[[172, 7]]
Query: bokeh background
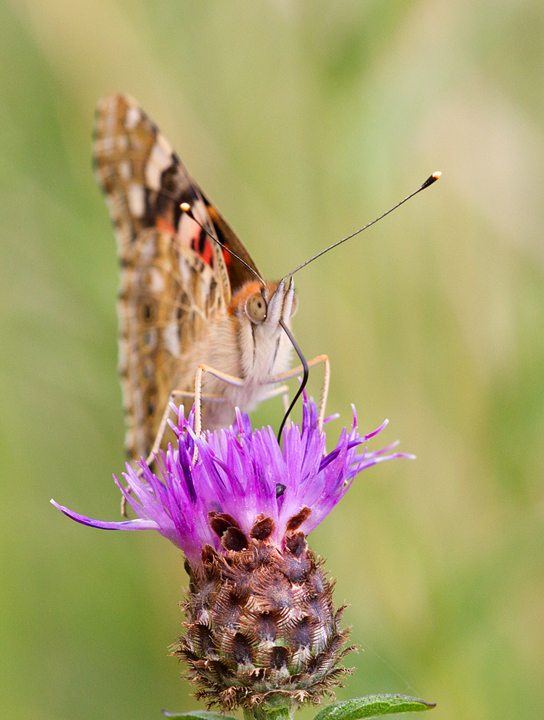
[[302, 121]]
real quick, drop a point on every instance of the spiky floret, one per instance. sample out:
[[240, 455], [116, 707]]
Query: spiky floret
[[261, 624]]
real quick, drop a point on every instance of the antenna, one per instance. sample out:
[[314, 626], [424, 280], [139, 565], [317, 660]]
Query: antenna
[[429, 181], [186, 208]]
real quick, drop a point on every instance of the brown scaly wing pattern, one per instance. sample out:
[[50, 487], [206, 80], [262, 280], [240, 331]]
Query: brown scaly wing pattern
[[175, 282]]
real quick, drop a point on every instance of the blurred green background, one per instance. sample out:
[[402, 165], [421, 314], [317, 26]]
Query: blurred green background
[[302, 121]]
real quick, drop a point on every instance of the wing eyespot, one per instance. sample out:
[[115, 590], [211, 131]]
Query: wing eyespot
[[148, 313]]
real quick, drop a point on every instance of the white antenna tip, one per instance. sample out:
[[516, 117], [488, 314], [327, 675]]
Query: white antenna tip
[[429, 181], [185, 207]]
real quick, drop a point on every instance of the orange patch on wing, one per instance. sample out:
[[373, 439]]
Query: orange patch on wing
[[208, 253], [164, 226]]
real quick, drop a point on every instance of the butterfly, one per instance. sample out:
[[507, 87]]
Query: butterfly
[[190, 294]]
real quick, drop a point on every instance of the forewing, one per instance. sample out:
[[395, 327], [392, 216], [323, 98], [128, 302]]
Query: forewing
[[174, 280], [145, 184]]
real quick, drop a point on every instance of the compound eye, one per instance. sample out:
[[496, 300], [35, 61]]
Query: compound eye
[[256, 308]]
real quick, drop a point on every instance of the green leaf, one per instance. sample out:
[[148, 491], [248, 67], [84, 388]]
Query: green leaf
[[372, 706], [198, 715]]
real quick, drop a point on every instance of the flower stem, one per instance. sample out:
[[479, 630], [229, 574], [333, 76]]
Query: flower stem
[[270, 712]]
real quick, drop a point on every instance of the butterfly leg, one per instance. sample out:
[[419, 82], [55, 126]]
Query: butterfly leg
[[239, 382], [229, 379], [164, 421], [282, 390], [320, 359], [162, 429]]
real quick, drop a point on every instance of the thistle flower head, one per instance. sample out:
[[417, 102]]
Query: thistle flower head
[[242, 479], [261, 624]]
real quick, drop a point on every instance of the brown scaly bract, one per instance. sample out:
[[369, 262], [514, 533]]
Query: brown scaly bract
[[261, 623]]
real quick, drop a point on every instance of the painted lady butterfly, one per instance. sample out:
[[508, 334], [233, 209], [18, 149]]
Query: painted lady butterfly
[[184, 301]]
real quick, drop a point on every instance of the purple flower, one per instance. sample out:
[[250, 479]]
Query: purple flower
[[243, 475]]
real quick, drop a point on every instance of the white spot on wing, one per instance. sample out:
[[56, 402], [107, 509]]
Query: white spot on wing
[[188, 230], [125, 170], [110, 112], [159, 159], [114, 204], [171, 339], [184, 272], [164, 144], [123, 356], [132, 118], [103, 145], [136, 199], [157, 281]]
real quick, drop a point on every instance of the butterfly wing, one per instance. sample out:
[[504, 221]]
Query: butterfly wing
[[175, 281]]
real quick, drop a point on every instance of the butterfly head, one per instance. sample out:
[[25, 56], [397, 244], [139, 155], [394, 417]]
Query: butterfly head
[[264, 304], [258, 309]]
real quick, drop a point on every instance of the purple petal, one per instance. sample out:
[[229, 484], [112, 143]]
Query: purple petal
[[238, 472], [138, 524]]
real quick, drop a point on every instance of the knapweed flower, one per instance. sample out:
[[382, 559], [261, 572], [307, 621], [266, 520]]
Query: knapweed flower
[[260, 620]]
